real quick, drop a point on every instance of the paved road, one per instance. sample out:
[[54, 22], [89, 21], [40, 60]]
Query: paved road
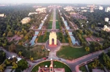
[[39, 44], [9, 54], [54, 19], [49, 30], [75, 63]]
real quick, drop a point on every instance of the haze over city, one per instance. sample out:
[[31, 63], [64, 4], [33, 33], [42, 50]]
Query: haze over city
[[58, 1]]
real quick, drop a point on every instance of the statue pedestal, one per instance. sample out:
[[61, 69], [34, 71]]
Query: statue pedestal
[[52, 45]]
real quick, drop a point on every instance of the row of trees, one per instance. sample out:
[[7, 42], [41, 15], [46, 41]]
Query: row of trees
[[17, 66]]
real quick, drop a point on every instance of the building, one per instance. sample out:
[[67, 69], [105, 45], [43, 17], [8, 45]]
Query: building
[[68, 8], [50, 68], [106, 28], [31, 13], [53, 39], [2, 15], [106, 19], [101, 8], [25, 20], [107, 9], [83, 10], [41, 10], [91, 9]]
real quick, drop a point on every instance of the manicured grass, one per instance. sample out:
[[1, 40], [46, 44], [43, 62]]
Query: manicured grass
[[39, 52], [70, 53], [41, 40], [50, 25], [50, 22], [57, 25], [59, 37], [56, 65], [83, 69], [51, 18]]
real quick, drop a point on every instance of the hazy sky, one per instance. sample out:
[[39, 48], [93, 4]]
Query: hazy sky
[[57, 1]]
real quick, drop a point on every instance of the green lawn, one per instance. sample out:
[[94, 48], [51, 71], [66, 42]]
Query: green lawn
[[56, 65], [51, 18], [36, 52], [41, 40], [50, 25], [83, 69], [57, 25], [70, 53], [59, 37], [39, 52]]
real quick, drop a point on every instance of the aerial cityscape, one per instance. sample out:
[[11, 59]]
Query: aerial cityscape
[[55, 36]]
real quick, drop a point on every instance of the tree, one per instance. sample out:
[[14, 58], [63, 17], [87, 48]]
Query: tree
[[22, 64], [20, 53], [2, 56], [87, 49], [10, 33], [26, 37], [14, 65], [7, 62], [106, 60], [1, 68], [31, 59], [4, 34], [70, 43], [12, 47]]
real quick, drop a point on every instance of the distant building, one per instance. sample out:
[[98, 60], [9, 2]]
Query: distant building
[[83, 10], [107, 9], [68, 8], [106, 19], [101, 8], [25, 20], [91, 9], [2, 15], [78, 16], [83, 7], [106, 28], [50, 69], [31, 13], [41, 10]]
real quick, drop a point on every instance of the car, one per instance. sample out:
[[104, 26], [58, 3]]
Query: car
[[45, 58]]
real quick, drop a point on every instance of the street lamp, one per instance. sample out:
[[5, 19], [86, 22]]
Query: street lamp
[[51, 59], [48, 49], [9, 57], [13, 56]]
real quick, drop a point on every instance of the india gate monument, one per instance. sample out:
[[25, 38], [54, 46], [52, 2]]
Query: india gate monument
[[52, 39]]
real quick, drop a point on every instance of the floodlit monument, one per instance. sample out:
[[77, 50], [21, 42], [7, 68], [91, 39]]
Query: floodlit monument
[[52, 39]]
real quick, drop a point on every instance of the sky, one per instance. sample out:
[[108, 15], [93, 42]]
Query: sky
[[58, 1]]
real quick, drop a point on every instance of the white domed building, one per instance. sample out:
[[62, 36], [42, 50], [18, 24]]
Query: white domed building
[[106, 28], [25, 20], [106, 19]]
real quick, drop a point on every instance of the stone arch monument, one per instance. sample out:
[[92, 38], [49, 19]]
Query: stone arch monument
[[53, 38]]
